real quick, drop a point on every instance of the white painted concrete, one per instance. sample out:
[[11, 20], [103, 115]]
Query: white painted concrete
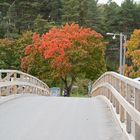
[[57, 118]]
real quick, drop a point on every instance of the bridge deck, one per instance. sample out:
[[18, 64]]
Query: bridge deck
[[57, 118]]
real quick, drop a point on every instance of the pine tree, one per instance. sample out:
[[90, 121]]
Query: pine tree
[[70, 11], [129, 17], [110, 23], [92, 18], [51, 10], [110, 18], [42, 25], [84, 12]]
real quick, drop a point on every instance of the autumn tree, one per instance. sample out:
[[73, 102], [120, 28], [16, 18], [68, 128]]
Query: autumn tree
[[69, 51], [133, 55]]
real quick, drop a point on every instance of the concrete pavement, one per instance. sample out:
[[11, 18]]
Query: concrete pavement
[[57, 118]]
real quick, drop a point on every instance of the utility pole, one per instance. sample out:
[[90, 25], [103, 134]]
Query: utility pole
[[124, 51], [121, 47]]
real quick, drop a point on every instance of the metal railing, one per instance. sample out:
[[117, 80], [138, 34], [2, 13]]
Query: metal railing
[[16, 82], [124, 94]]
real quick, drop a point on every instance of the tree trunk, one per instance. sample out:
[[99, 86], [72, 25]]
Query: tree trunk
[[68, 90], [68, 87]]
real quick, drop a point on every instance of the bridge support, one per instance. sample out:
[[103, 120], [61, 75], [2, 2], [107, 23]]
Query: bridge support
[[121, 109], [117, 86], [128, 118], [111, 97], [15, 87], [137, 106], [117, 107]]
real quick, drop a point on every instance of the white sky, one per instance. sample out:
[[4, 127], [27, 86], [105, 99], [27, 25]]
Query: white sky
[[117, 1]]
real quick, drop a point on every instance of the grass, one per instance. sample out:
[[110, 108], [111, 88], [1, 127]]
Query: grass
[[79, 95]]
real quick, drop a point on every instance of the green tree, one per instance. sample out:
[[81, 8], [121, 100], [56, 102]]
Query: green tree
[[129, 17], [8, 59], [70, 11], [93, 14], [110, 17], [7, 23], [20, 15], [12, 50], [51, 10], [42, 25], [83, 12], [110, 20]]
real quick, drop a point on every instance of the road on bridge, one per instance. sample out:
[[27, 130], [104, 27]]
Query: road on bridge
[[57, 118]]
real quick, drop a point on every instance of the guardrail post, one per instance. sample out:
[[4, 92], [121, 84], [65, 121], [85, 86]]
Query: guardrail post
[[112, 84], [22, 78], [7, 90], [128, 118], [121, 110], [27, 89], [33, 90], [111, 97], [36, 90], [15, 87], [113, 100], [137, 106], [107, 93], [109, 79], [118, 89]]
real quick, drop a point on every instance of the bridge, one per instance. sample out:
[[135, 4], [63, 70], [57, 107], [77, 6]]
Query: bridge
[[27, 112]]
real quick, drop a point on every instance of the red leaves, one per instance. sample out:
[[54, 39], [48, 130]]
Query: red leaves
[[24, 63], [28, 49], [55, 44], [58, 40]]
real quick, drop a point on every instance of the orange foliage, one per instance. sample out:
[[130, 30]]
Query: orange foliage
[[55, 44], [133, 53]]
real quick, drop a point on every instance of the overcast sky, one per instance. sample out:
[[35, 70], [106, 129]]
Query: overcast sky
[[117, 1]]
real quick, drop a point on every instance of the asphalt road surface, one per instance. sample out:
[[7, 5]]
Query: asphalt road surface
[[57, 118]]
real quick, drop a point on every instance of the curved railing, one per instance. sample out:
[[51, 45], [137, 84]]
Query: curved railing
[[124, 94], [15, 82]]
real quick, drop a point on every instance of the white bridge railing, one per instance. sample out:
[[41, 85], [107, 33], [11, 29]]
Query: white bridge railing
[[124, 94], [15, 82]]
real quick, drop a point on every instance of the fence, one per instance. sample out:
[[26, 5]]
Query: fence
[[124, 94]]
